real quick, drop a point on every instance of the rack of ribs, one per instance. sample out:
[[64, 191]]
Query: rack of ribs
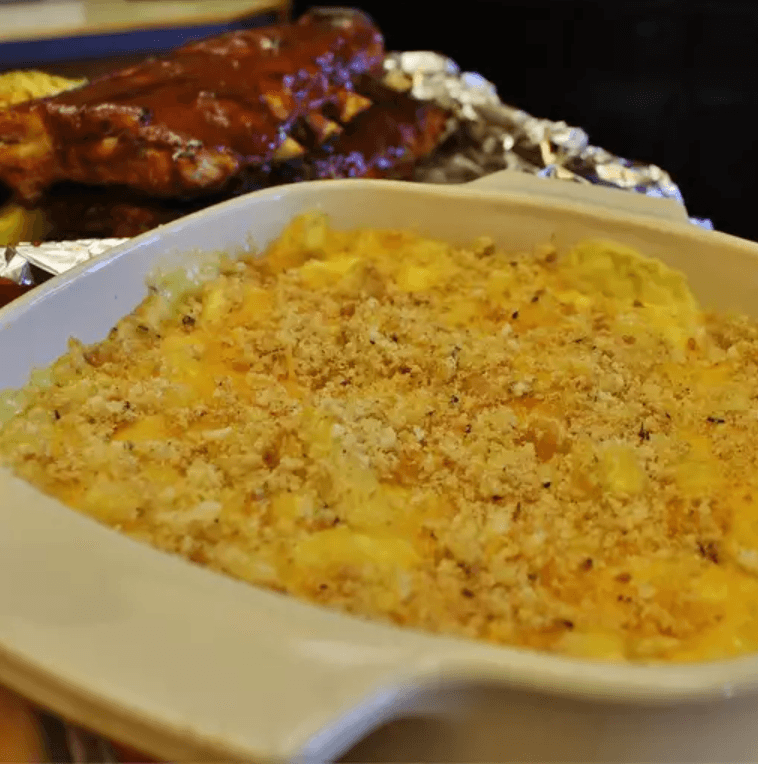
[[214, 119], [385, 140], [185, 123]]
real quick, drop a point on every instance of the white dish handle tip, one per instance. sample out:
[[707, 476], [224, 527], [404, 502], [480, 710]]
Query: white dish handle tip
[[510, 182]]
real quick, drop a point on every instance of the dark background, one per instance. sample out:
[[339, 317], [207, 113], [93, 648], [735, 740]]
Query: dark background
[[671, 83]]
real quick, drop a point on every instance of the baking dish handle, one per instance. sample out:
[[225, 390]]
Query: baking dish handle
[[513, 182], [161, 655]]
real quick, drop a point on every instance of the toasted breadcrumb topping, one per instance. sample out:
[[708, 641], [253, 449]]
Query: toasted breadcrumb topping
[[543, 449]]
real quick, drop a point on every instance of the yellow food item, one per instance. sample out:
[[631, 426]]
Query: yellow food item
[[543, 449], [17, 223], [16, 87]]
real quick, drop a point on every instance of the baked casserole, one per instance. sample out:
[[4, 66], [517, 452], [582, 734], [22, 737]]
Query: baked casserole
[[546, 449]]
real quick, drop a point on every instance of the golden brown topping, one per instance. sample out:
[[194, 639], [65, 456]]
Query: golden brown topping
[[397, 428]]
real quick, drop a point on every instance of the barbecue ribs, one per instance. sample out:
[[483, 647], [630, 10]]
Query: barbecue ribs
[[212, 120], [386, 140], [189, 121]]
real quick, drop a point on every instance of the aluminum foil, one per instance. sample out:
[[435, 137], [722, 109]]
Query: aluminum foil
[[489, 135], [16, 268], [57, 257]]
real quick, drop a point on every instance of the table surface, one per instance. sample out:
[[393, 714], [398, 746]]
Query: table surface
[[49, 19]]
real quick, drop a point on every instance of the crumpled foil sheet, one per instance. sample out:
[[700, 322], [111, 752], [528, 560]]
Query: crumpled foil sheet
[[490, 136], [53, 257], [16, 268], [493, 136], [485, 136]]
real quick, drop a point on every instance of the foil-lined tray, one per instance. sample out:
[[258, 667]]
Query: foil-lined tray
[[494, 136], [484, 136], [51, 257]]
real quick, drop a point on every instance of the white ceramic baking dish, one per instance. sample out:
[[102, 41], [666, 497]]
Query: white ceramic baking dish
[[187, 664]]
